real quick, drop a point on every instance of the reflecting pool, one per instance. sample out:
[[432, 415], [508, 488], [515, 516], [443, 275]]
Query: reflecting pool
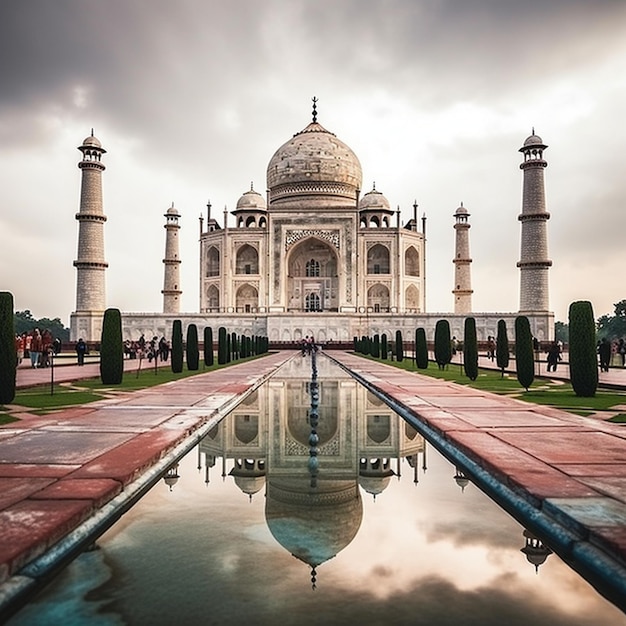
[[314, 503]]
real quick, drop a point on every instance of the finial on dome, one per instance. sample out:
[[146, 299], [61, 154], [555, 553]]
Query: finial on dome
[[461, 202], [251, 185], [374, 186], [533, 131], [314, 109], [92, 132], [313, 578]]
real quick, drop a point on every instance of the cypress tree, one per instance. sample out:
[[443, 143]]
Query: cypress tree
[[583, 360], [193, 352], [229, 349], [502, 347], [376, 347], [234, 346], [208, 346], [443, 345], [421, 349], [222, 347], [524, 354], [470, 349], [111, 348], [8, 353], [177, 347], [399, 346], [364, 345], [384, 348], [355, 344]]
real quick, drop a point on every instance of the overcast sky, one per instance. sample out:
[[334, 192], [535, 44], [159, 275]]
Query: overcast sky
[[192, 98]]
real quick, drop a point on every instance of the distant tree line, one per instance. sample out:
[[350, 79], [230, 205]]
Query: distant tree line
[[24, 322]]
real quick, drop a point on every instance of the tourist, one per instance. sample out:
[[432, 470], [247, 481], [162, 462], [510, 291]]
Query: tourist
[[81, 351], [621, 350], [604, 352], [554, 356], [491, 348], [36, 345], [19, 348]]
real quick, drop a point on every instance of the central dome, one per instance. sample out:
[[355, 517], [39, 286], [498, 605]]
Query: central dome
[[315, 168]]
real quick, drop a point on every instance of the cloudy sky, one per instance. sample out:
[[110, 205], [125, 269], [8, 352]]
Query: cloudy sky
[[191, 99]]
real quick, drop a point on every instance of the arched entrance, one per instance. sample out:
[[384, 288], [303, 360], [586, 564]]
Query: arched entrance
[[312, 280]]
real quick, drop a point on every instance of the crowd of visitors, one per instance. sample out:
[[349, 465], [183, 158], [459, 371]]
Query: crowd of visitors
[[142, 349], [36, 346]]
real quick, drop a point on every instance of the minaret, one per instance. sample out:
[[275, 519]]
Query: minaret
[[534, 263], [90, 264], [462, 263], [171, 279]]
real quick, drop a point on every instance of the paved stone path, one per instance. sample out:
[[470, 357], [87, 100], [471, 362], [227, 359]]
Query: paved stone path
[[564, 474], [60, 471]]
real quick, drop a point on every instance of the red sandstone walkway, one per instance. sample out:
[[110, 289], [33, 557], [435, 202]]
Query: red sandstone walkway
[[566, 468], [59, 471], [63, 470]]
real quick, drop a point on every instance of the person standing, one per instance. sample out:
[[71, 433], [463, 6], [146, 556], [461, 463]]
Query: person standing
[[81, 351], [36, 345], [20, 343], [604, 352], [554, 356]]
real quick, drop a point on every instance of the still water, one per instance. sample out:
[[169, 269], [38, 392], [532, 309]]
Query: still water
[[362, 522]]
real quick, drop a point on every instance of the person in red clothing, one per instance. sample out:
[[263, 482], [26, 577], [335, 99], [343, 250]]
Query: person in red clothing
[[20, 343], [36, 345]]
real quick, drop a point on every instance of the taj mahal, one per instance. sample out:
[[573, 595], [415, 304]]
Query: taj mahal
[[313, 255]]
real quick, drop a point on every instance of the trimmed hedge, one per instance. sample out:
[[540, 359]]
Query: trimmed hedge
[[193, 352], [524, 354], [583, 360], [399, 346], [8, 353], [111, 348], [222, 346], [443, 345], [208, 346], [384, 347], [502, 347], [177, 347], [421, 349], [470, 349]]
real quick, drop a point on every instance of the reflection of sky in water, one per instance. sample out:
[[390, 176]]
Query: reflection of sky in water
[[424, 553]]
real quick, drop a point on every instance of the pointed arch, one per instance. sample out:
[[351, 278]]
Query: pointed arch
[[412, 298], [247, 261], [247, 299], [213, 299], [378, 298], [213, 261], [378, 259], [411, 262]]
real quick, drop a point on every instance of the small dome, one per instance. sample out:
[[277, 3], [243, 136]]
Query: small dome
[[172, 211], [533, 140], [92, 142], [461, 210], [251, 200], [374, 200]]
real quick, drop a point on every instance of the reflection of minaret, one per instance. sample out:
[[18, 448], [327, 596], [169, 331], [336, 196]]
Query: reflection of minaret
[[462, 263], [90, 264], [535, 550], [534, 263], [171, 278]]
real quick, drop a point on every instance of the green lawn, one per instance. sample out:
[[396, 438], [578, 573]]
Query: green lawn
[[543, 391]]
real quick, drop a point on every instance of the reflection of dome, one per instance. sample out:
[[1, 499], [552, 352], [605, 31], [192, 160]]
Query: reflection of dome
[[251, 200], [249, 475], [313, 524], [314, 164], [535, 550], [375, 484], [250, 484]]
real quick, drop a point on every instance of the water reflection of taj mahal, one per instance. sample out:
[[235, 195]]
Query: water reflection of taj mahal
[[362, 445]]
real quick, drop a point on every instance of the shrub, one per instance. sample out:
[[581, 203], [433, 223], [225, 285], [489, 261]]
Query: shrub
[[111, 348], [502, 347], [193, 352], [222, 347], [384, 347], [8, 353], [399, 346], [443, 345], [524, 354], [470, 349], [177, 347], [375, 347], [421, 349], [208, 346], [234, 346], [583, 361]]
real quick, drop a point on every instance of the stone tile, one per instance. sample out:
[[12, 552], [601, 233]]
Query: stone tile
[[13, 490], [34, 470], [584, 514], [98, 490], [58, 447], [30, 527], [507, 418], [566, 446], [613, 486], [127, 461]]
